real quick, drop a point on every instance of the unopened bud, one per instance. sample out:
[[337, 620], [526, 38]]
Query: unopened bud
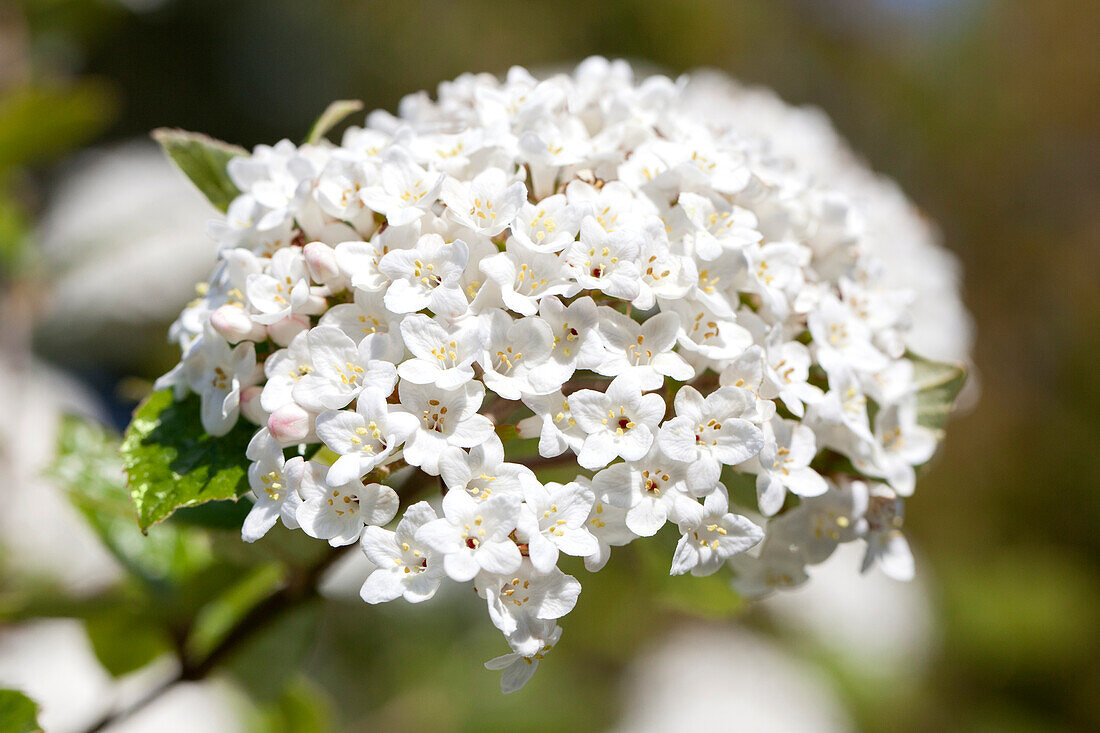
[[285, 330], [235, 325], [321, 262], [250, 405], [290, 424]]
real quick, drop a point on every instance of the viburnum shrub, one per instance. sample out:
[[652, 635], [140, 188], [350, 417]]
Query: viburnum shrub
[[694, 327]]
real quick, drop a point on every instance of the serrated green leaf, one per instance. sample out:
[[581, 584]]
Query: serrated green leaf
[[172, 462], [333, 115], [203, 160], [938, 386], [18, 713]]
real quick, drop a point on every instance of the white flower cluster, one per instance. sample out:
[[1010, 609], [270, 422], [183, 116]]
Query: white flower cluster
[[650, 295]]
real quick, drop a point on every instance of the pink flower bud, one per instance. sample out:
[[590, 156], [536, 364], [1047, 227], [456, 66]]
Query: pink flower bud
[[321, 262], [235, 325], [250, 405], [285, 330], [290, 424]]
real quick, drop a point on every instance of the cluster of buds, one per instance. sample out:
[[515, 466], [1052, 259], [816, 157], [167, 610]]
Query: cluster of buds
[[665, 303]]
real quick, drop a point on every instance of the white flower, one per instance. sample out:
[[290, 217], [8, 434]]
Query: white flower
[[338, 513], [359, 260], [405, 566], [720, 227], [900, 444], [664, 273], [282, 290], [513, 349], [553, 519], [482, 472], [777, 567], [405, 191], [604, 260], [785, 464], [283, 369], [619, 422], [841, 339], [607, 524], [516, 668], [788, 370], [365, 438], [488, 204], [549, 226], [712, 535], [525, 593], [553, 424], [275, 497], [473, 535], [445, 418], [706, 334], [886, 545], [441, 356], [577, 342], [366, 317], [426, 276], [220, 374], [819, 523], [642, 350], [340, 370], [524, 277], [652, 490], [708, 432]]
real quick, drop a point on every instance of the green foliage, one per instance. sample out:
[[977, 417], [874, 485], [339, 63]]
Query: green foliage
[[938, 385], [172, 462], [125, 637], [301, 706], [203, 160], [333, 115], [18, 713], [40, 122], [88, 467], [218, 616]]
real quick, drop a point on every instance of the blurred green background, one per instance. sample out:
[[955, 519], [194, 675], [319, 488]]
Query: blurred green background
[[988, 114]]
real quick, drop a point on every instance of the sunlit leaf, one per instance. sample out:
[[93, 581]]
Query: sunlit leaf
[[172, 462], [203, 160]]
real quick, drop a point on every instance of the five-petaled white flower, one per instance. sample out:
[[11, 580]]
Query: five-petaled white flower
[[473, 536], [711, 431], [710, 535], [338, 513], [619, 422], [405, 566]]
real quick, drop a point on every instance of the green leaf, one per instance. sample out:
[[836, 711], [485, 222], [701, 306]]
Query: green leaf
[[216, 618], [39, 123], [203, 160], [172, 462], [938, 386], [126, 638], [333, 115], [18, 713], [88, 468]]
